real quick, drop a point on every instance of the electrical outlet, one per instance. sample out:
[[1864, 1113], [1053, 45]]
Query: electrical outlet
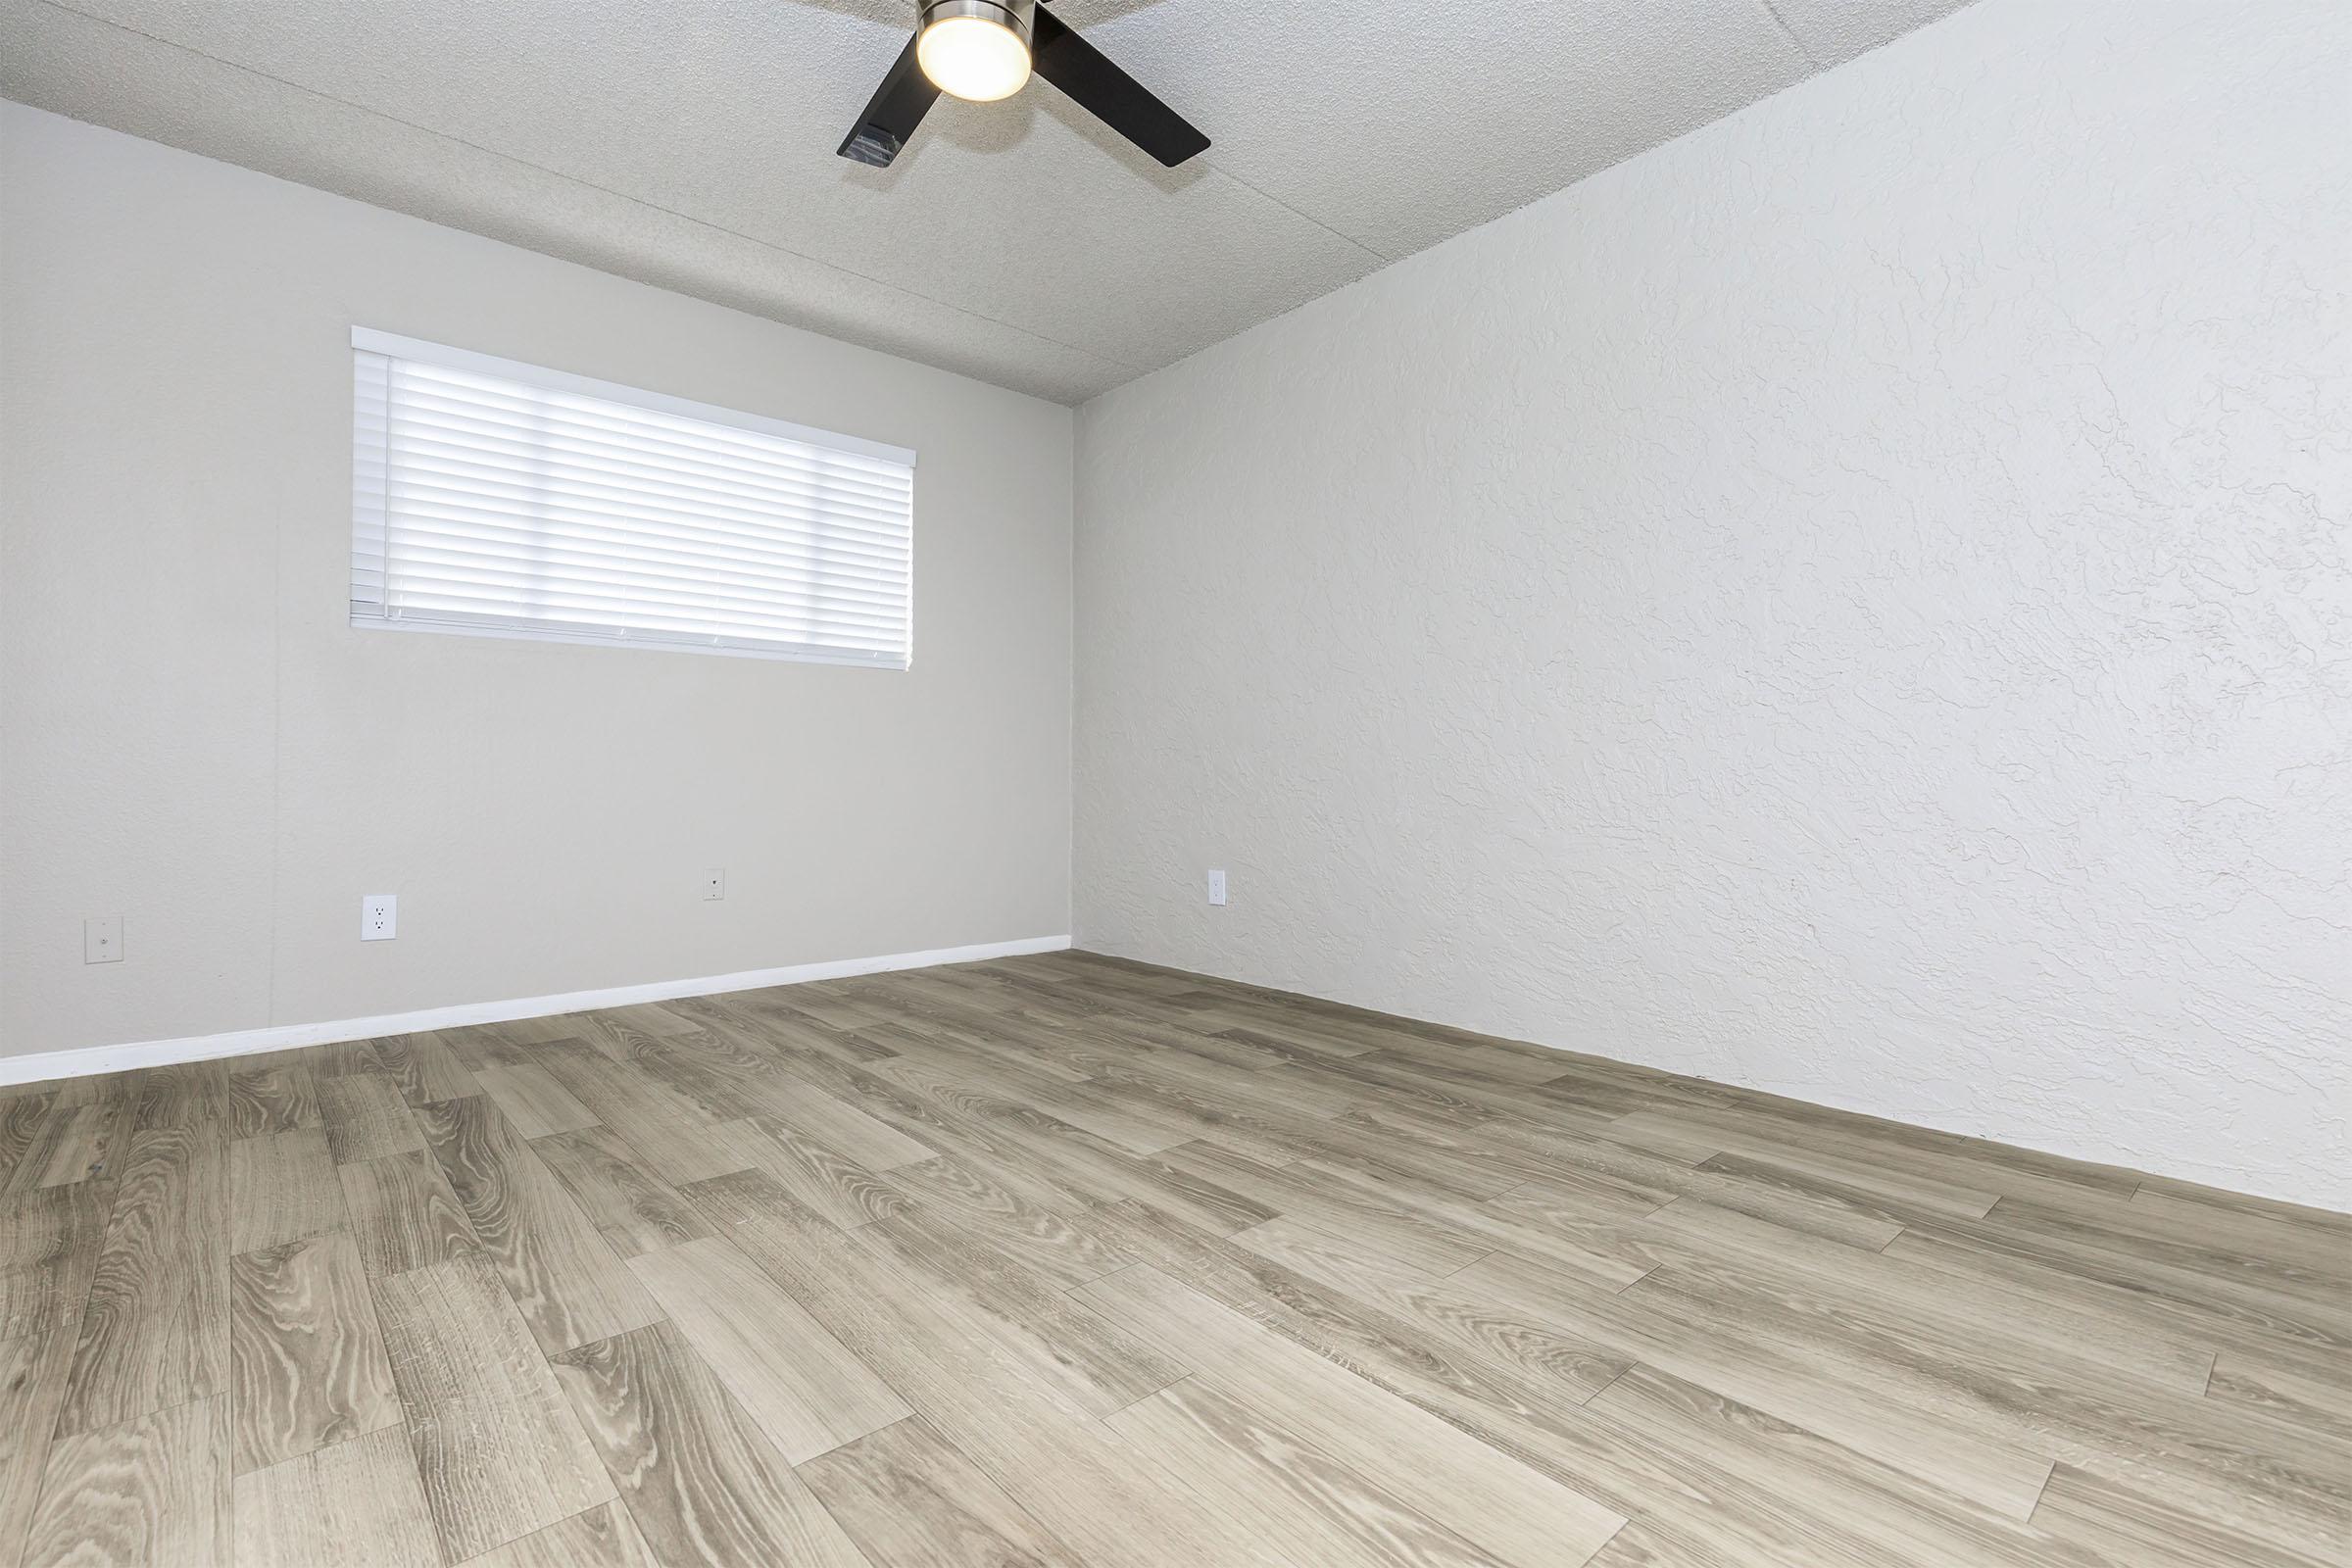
[[379, 918], [1216, 887], [714, 884], [102, 940]]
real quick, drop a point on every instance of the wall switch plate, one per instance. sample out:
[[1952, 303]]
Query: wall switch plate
[[1216, 887], [714, 884], [102, 940], [379, 918]]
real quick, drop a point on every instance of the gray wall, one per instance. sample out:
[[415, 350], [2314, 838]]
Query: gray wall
[[196, 739], [1853, 602]]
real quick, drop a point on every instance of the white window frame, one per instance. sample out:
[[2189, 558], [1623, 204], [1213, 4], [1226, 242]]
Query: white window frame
[[369, 496]]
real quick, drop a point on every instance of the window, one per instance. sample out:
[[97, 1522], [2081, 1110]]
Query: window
[[500, 498]]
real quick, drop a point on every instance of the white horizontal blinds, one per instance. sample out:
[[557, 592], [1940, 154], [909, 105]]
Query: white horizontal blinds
[[486, 502]]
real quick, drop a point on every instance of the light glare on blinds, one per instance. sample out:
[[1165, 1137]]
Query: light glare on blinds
[[500, 498]]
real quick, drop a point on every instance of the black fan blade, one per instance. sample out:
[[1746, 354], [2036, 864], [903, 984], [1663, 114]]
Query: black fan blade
[[897, 107], [1110, 94]]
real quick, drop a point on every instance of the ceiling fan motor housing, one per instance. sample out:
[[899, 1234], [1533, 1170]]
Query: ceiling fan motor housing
[[1018, 15], [988, 50]]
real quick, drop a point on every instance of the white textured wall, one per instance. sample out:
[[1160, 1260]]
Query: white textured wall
[[193, 737], [1853, 602]]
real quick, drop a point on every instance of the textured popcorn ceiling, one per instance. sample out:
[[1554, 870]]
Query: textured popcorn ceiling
[[1856, 603], [688, 143]]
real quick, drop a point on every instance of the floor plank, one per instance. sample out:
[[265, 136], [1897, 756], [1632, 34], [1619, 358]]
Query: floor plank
[[817, 1177], [75, 1144], [1090, 1365], [270, 1094], [874, 1145], [423, 1068], [1064, 1249], [1492, 1502], [1291, 1495], [281, 1187], [307, 1363], [23, 1119], [49, 1248], [154, 1325], [2313, 1393], [1828, 1503], [366, 1118], [1893, 1292], [534, 1100], [1575, 1368], [148, 1491], [356, 1505], [403, 1214], [910, 1500], [798, 1382], [2126, 1526], [1422, 1241], [1695, 1344], [635, 1211], [32, 1389], [664, 1127], [499, 1449], [180, 1097], [607, 1536], [701, 1482], [955, 1370], [565, 1280]]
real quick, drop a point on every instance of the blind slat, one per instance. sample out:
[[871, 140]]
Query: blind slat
[[517, 555], [491, 493], [485, 430], [496, 505]]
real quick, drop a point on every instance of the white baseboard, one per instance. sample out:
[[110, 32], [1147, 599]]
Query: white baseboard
[[89, 1060]]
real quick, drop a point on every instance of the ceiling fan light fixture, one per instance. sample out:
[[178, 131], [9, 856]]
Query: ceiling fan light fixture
[[976, 49]]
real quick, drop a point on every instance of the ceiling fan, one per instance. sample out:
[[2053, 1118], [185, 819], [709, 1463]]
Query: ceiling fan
[[984, 50]]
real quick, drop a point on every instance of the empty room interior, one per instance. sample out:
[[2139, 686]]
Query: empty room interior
[[1175, 784]]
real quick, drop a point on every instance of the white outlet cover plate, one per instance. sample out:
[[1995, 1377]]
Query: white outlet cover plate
[[379, 918], [1216, 887], [102, 940]]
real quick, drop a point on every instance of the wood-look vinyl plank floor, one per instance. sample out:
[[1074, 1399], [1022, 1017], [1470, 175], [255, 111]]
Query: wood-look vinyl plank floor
[[356, 1505], [1504, 1508], [307, 1363], [177, 1098], [568, 1285], [32, 1389], [24, 1121], [50, 1239], [1064, 1260], [537, 1104], [155, 1321], [270, 1094], [154, 1489], [281, 1187], [1294, 1495], [800, 1385], [498, 1449], [701, 1482], [665, 1128], [908, 1497], [635, 1211], [75, 1144], [423, 1067], [605, 1537], [403, 1214], [2305, 1392], [364, 1117], [838, 1187]]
